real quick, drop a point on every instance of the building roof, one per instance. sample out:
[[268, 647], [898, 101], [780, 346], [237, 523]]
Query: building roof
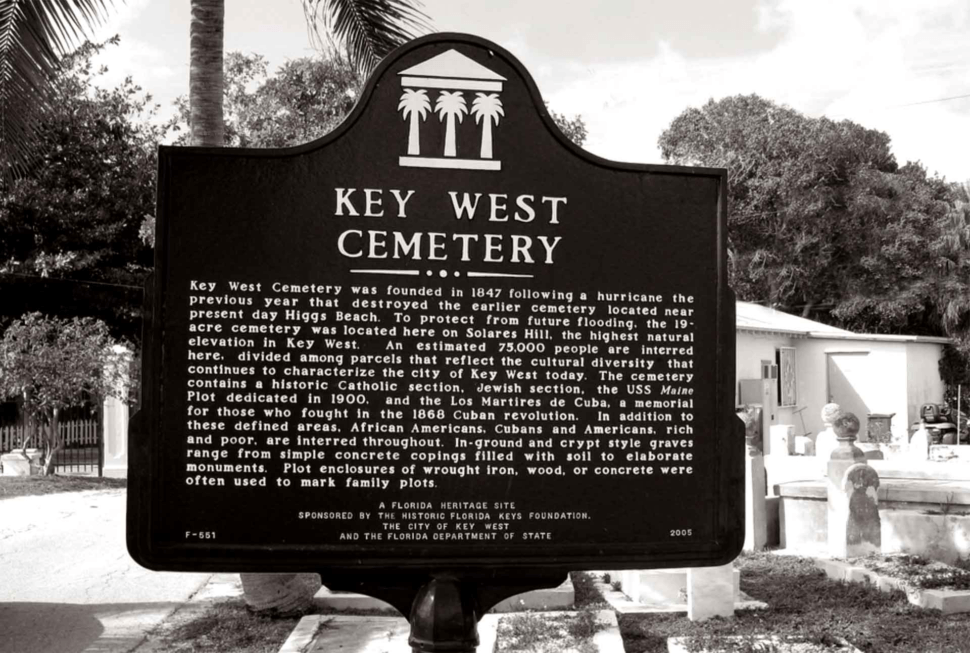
[[754, 317]]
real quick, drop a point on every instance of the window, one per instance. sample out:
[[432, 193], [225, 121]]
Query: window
[[769, 370], [786, 376]]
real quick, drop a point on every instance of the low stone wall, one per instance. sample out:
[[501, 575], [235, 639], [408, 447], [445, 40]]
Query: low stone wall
[[802, 515], [943, 537], [929, 516], [890, 460], [18, 464]]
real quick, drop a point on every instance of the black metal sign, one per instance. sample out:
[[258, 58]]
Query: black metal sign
[[440, 336]]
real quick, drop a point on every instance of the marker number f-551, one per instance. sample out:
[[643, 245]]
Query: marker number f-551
[[200, 535]]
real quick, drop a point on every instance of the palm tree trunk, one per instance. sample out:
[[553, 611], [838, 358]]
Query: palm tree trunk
[[205, 73]]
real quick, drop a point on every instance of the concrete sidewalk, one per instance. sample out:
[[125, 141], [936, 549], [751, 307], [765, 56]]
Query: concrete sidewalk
[[67, 584]]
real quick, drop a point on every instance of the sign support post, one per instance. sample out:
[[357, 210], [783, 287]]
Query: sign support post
[[443, 607]]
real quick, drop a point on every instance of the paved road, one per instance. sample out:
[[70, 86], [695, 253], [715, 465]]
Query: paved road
[[67, 584]]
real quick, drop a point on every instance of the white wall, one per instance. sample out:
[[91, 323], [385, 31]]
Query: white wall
[[923, 376], [750, 349], [897, 376]]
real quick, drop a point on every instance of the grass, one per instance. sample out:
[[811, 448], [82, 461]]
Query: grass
[[804, 603], [224, 626], [26, 486], [566, 631], [586, 596]]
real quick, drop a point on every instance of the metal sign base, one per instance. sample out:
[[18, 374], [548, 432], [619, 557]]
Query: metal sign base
[[444, 608]]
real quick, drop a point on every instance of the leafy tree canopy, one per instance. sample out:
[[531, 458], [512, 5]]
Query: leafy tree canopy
[[573, 128], [34, 35], [823, 222], [53, 364], [366, 30], [69, 225], [306, 98]]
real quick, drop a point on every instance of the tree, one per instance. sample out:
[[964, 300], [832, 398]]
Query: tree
[[34, 35], [303, 100], [955, 261], [206, 35], [573, 128], [901, 280], [487, 109], [69, 223], [822, 220], [367, 29], [54, 364], [954, 369], [449, 106], [306, 98]]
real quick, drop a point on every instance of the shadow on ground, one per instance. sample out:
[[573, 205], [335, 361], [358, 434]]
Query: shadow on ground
[[74, 628]]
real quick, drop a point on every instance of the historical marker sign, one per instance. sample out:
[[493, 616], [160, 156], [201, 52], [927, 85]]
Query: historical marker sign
[[441, 335]]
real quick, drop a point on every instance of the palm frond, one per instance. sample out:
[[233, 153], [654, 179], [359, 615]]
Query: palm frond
[[34, 35], [368, 29]]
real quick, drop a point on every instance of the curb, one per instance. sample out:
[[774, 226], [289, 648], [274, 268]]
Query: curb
[[217, 588]]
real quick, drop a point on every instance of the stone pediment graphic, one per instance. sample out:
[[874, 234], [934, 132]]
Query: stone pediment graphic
[[450, 75]]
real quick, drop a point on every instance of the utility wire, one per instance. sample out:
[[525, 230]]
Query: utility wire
[[942, 99]]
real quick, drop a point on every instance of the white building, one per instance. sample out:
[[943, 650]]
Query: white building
[[793, 366]]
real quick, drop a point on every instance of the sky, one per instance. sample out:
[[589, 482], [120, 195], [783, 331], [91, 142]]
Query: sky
[[629, 67]]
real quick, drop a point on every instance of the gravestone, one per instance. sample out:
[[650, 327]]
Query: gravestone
[[854, 527], [439, 353]]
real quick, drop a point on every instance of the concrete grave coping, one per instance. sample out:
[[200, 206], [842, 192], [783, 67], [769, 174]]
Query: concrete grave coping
[[623, 604], [355, 634], [946, 601]]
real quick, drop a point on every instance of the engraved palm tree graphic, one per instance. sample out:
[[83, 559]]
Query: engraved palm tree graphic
[[415, 106], [450, 105], [487, 109]]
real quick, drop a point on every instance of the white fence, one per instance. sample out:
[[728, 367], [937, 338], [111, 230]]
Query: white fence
[[76, 433]]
